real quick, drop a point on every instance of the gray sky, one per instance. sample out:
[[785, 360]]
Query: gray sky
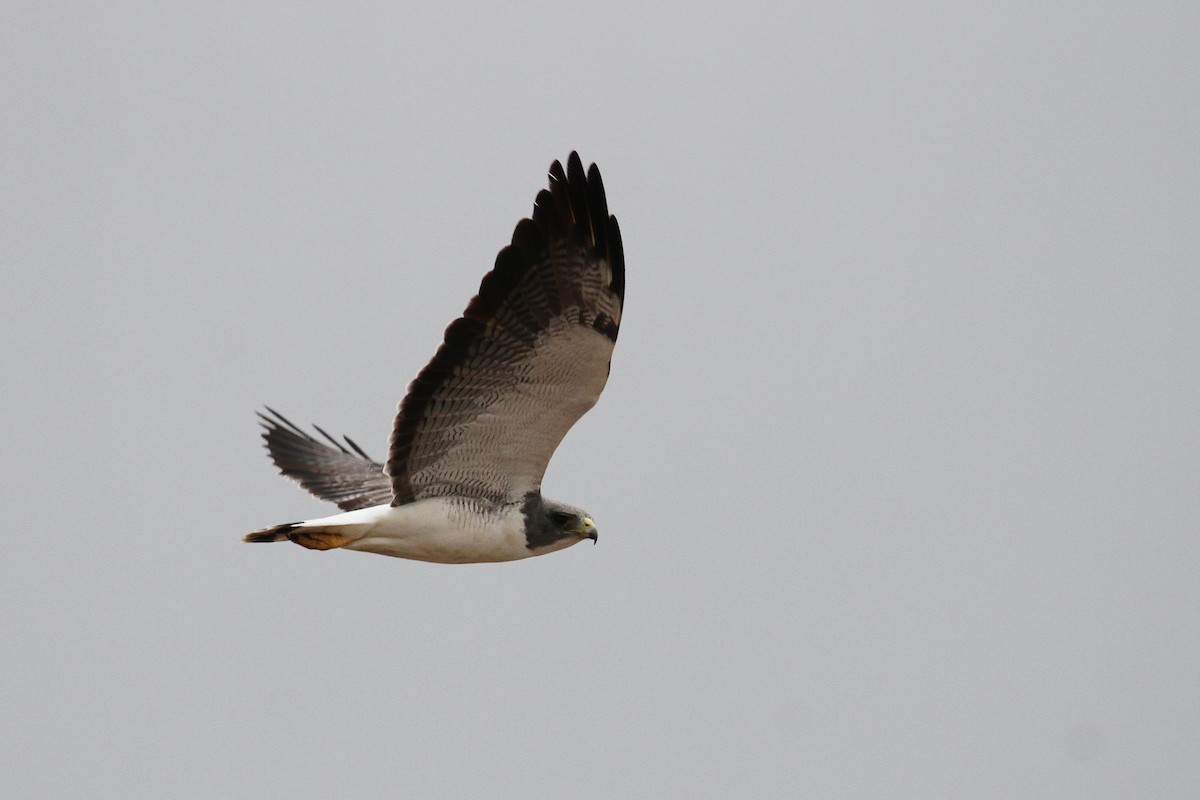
[[896, 472]]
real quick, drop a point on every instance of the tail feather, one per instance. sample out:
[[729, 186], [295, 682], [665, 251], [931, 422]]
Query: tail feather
[[276, 533], [312, 537]]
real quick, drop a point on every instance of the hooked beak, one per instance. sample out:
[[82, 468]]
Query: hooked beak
[[587, 529]]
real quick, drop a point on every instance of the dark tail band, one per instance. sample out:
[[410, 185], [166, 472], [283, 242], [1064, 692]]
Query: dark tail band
[[276, 533]]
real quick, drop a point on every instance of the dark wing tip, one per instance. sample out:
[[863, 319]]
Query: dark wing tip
[[574, 207], [616, 258]]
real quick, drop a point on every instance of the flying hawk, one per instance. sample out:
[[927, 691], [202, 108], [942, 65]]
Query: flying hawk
[[528, 357]]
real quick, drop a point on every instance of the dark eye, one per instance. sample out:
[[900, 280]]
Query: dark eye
[[559, 518]]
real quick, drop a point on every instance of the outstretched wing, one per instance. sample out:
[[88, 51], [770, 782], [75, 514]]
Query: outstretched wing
[[528, 358], [328, 471]]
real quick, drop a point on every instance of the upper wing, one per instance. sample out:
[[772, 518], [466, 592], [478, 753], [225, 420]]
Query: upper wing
[[528, 357], [352, 480]]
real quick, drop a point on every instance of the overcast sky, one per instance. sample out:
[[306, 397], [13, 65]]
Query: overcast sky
[[896, 473]]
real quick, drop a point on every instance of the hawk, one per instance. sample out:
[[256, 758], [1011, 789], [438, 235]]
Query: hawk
[[472, 438]]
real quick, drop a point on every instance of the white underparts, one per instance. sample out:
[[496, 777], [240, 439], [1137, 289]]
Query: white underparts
[[437, 529]]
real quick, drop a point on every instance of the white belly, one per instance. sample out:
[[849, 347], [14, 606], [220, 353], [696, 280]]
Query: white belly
[[437, 530]]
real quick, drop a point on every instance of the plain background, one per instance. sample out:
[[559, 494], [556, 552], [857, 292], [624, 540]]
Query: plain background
[[896, 474]]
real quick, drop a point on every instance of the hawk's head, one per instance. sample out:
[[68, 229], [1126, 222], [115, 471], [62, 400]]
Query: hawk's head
[[555, 525], [570, 520]]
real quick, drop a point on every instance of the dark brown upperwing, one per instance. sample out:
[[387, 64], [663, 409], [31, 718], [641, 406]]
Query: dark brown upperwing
[[528, 357]]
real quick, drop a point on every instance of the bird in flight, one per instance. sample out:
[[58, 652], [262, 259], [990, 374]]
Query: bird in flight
[[471, 441]]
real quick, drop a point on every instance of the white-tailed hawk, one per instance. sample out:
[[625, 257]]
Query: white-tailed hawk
[[528, 357]]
